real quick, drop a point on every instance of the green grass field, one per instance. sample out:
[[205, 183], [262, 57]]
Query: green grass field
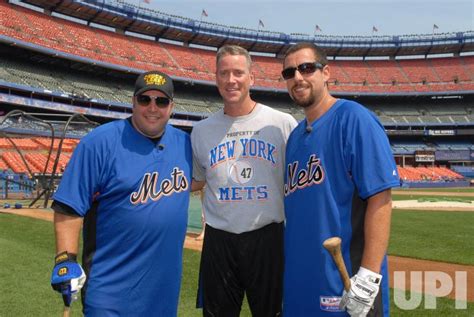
[[433, 235], [432, 198], [27, 248], [444, 308], [26, 260], [407, 194], [451, 190]]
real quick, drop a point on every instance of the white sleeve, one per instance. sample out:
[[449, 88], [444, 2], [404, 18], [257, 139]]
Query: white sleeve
[[199, 172]]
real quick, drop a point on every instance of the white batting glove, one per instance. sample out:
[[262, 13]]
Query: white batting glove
[[360, 298]]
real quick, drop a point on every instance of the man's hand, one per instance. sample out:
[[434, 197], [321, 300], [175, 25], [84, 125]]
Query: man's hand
[[68, 277], [364, 288]]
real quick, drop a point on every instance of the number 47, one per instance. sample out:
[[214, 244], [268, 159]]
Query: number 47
[[246, 172]]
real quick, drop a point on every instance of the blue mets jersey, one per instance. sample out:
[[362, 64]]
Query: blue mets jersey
[[134, 197], [331, 170]]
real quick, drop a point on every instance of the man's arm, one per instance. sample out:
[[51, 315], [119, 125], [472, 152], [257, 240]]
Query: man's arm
[[377, 230], [67, 277], [67, 229], [365, 284], [197, 185]]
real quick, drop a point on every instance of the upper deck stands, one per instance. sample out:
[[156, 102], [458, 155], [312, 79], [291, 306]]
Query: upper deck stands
[[376, 76]]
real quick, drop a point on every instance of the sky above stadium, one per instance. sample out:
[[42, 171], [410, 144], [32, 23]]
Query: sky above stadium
[[356, 17]]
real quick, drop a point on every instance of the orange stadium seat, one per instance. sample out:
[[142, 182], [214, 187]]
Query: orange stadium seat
[[468, 64], [267, 68], [449, 69], [418, 71], [35, 153], [22, 144], [45, 143], [5, 144], [417, 75], [415, 174], [358, 72], [3, 165], [446, 172], [338, 74], [38, 160], [15, 163], [388, 72], [151, 53], [72, 142]]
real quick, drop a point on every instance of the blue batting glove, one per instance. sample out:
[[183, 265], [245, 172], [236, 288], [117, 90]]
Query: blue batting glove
[[68, 277]]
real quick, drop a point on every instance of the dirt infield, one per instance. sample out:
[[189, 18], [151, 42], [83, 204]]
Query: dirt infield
[[433, 205], [406, 265], [33, 213]]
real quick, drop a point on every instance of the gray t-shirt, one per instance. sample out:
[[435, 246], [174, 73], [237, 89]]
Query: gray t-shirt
[[242, 161]]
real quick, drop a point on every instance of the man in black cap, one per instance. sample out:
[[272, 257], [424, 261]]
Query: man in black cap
[[129, 180], [157, 87]]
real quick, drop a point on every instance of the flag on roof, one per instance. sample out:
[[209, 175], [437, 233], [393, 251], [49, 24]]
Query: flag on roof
[[435, 26], [204, 13], [318, 29], [374, 29], [260, 23]]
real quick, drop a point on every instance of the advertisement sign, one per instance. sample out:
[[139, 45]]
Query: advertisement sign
[[441, 132], [424, 156], [451, 155]]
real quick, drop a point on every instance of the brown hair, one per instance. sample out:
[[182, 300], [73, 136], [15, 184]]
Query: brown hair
[[319, 54]]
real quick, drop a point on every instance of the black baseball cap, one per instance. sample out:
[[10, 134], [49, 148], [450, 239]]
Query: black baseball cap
[[154, 80]]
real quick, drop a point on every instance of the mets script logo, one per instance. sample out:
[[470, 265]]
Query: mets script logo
[[313, 173], [148, 189]]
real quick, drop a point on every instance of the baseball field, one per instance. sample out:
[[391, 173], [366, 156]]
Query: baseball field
[[432, 231]]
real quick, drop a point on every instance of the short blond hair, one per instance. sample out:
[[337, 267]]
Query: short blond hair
[[233, 50]]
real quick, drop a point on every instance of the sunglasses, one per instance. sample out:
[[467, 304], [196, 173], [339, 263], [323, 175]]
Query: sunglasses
[[161, 102], [304, 69]]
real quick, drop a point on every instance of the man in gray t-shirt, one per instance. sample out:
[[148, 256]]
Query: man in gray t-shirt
[[238, 154]]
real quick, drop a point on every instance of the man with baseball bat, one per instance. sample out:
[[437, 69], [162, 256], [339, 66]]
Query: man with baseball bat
[[128, 181], [339, 175]]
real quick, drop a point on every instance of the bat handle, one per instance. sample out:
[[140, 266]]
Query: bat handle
[[67, 306], [66, 311], [333, 246]]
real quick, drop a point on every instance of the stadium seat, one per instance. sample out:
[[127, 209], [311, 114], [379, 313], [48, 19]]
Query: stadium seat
[[356, 76]]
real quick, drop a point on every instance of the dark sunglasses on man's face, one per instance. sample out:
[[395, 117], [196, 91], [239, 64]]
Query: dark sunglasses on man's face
[[304, 69], [162, 102]]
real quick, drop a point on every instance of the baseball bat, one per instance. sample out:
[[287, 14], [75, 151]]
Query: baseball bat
[[66, 311], [333, 245], [67, 306]]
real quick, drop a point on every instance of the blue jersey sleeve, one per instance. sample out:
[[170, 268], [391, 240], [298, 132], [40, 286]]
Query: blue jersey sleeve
[[368, 154], [81, 179]]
